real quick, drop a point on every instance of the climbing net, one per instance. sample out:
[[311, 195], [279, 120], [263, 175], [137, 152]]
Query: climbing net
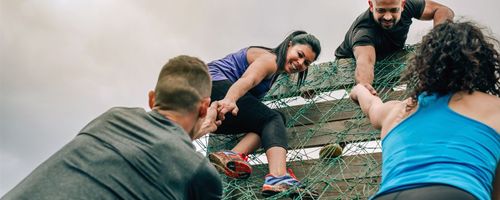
[[325, 116]]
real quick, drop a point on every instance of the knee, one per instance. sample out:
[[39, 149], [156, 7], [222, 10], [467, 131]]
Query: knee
[[277, 116]]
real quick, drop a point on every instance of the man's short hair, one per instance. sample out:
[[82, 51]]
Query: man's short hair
[[182, 83]]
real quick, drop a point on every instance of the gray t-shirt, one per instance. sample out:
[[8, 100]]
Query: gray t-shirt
[[364, 31], [126, 153]]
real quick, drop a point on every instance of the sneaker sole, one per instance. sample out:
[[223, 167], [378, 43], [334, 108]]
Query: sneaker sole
[[268, 191], [233, 169]]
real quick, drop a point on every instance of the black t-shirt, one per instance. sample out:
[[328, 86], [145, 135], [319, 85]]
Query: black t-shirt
[[366, 32], [126, 153]]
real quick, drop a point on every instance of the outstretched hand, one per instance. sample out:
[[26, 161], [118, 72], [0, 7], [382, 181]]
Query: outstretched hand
[[226, 106], [357, 90]]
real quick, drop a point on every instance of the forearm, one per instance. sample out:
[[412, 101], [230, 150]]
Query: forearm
[[238, 89], [442, 15], [367, 102], [364, 73]]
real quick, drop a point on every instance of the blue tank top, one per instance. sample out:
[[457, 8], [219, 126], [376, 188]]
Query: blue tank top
[[232, 68], [436, 145]]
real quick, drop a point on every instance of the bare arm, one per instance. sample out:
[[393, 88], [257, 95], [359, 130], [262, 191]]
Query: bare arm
[[365, 64], [437, 12], [373, 107], [259, 69]]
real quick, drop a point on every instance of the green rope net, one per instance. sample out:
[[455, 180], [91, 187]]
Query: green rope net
[[327, 117]]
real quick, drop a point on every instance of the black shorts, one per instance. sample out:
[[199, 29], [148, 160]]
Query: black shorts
[[253, 116], [432, 192]]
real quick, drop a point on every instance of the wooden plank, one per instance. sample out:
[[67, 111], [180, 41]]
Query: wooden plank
[[321, 77], [344, 167], [326, 111], [341, 132], [345, 177], [312, 135]]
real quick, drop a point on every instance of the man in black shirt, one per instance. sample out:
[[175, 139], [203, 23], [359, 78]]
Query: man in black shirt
[[129, 153], [382, 30]]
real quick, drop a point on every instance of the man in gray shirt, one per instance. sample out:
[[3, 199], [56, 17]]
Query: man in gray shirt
[[129, 153]]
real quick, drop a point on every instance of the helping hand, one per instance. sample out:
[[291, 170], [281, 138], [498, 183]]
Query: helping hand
[[358, 89], [210, 122], [225, 106], [369, 87]]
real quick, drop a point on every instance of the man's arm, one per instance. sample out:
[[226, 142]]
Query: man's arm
[[437, 12], [365, 64]]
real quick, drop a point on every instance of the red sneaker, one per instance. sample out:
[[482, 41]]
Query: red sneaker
[[232, 164]]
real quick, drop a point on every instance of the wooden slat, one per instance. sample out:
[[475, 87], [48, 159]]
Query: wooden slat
[[321, 77], [342, 132], [344, 167], [313, 135], [322, 111]]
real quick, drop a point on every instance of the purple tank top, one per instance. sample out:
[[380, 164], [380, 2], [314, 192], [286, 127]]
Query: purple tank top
[[232, 67]]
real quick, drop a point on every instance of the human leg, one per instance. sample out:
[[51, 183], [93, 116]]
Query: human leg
[[262, 124], [248, 144]]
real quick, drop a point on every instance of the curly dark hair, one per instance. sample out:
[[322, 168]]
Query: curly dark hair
[[454, 57]]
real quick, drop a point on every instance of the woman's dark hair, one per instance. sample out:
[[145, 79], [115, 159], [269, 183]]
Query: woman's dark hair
[[454, 57], [296, 37]]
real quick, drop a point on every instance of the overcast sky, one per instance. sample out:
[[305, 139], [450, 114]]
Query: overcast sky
[[64, 62]]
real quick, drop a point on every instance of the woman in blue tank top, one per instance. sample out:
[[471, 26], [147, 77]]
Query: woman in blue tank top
[[240, 80], [444, 141]]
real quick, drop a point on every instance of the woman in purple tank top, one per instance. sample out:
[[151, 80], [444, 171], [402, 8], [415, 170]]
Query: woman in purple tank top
[[444, 141], [239, 81]]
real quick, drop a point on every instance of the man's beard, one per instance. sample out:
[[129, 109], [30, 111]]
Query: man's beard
[[387, 24]]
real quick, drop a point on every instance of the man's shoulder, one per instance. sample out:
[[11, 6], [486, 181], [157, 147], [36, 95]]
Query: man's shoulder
[[362, 32], [122, 113], [413, 9], [363, 27], [364, 20], [119, 109], [115, 112]]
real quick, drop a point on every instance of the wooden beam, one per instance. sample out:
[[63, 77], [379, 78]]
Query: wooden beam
[[312, 135], [317, 112]]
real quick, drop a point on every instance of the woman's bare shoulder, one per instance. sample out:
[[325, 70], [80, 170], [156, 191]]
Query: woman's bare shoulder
[[479, 106], [254, 53]]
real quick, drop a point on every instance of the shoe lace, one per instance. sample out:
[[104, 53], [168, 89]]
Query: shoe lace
[[241, 155]]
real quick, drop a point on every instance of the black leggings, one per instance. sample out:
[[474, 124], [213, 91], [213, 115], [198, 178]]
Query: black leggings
[[253, 116], [433, 192]]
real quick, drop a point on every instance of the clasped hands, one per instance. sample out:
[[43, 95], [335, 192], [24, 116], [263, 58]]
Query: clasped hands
[[216, 114]]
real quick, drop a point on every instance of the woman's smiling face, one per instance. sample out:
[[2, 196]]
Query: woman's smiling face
[[298, 58]]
